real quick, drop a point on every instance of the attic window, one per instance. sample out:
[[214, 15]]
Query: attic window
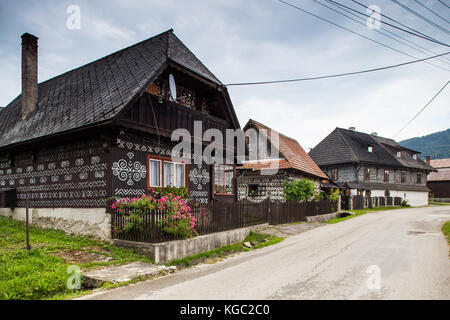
[[415, 156], [370, 148], [399, 154]]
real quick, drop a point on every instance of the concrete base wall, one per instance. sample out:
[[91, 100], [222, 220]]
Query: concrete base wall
[[323, 217], [83, 222], [171, 250]]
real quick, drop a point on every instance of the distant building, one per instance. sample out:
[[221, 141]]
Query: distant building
[[439, 182], [256, 183], [369, 165]]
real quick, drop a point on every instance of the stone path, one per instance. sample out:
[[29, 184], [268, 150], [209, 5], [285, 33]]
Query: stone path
[[124, 273], [286, 230]]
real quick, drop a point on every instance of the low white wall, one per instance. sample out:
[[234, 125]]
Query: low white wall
[[414, 198], [83, 222], [167, 251]]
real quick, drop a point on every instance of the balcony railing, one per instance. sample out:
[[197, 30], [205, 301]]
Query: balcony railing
[[167, 116]]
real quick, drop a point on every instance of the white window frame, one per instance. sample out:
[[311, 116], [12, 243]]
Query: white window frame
[[175, 174], [160, 172]]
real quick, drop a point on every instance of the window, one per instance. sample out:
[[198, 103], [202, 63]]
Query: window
[[399, 154], [403, 177], [366, 174], [223, 178], [370, 148], [415, 156], [419, 178], [252, 190], [386, 175], [163, 173], [154, 173], [174, 174], [334, 174]]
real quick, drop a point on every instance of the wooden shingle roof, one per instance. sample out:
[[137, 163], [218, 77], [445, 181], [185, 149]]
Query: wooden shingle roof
[[98, 91], [348, 146], [443, 170], [294, 155]]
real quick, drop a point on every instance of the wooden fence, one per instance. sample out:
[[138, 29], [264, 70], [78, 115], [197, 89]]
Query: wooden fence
[[361, 202], [218, 216]]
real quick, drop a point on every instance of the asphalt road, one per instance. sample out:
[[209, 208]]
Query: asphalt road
[[398, 254]]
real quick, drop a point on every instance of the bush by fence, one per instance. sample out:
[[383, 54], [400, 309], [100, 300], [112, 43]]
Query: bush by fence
[[217, 216]]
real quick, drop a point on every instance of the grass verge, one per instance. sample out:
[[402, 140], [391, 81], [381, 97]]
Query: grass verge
[[364, 211], [42, 272], [212, 256], [439, 203], [446, 232]]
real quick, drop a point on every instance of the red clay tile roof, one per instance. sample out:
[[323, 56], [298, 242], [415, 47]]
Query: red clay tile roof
[[290, 149]]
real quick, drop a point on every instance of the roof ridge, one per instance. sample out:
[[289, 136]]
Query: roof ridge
[[108, 55], [281, 134]]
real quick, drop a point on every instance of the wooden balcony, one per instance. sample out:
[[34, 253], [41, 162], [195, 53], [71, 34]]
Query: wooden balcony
[[153, 115]]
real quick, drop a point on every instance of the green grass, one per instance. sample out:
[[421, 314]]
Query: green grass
[[446, 232], [40, 274], [219, 253], [364, 211], [439, 203]]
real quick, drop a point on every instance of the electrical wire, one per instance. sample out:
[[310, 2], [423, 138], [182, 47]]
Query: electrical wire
[[420, 16], [444, 4], [432, 11], [418, 113], [335, 75], [380, 32], [424, 49], [413, 32]]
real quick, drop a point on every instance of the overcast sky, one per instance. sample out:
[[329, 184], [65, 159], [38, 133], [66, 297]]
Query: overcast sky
[[256, 40]]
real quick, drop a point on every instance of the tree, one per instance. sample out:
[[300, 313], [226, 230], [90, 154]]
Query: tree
[[298, 190]]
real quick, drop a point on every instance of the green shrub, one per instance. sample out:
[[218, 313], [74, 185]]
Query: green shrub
[[298, 190]]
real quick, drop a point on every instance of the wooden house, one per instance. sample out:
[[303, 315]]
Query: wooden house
[[264, 177], [372, 166], [104, 129]]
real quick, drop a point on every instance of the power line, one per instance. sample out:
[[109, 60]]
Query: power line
[[418, 113], [390, 32], [380, 32], [339, 26], [413, 32], [444, 4], [420, 16], [335, 75], [432, 11]]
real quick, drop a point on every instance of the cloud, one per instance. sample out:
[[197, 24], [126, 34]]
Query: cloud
[[251, 40]]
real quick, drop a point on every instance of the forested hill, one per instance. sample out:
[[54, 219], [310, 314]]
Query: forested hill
[[436, 145]]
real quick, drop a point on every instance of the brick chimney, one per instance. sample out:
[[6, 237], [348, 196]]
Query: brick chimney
[[428, 159], [29, 74]]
